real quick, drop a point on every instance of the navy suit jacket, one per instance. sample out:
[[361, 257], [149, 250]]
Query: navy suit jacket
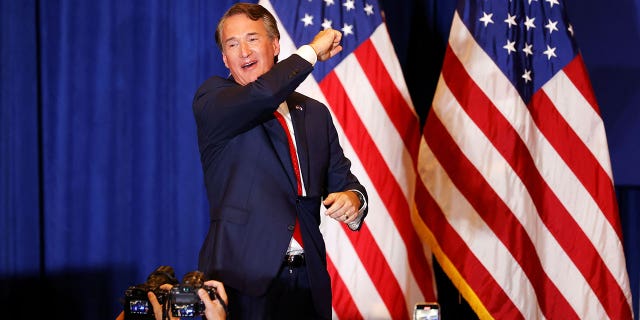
[[251, 185]]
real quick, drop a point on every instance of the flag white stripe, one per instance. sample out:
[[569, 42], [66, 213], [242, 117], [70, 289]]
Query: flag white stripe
[[478, 236], [387, 238], [388, 141], [384, 231], [381, 41], [379, 126], [508, 186], [580, 115], [383, 46], [353, 273], [571, 193]]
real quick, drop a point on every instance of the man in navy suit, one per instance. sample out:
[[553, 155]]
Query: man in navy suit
[[271, 158]]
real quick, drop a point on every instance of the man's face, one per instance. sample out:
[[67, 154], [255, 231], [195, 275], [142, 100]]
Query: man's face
[[247, 50]]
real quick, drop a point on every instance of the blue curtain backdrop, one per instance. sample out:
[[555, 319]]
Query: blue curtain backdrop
[[100, 174], [100, 180]]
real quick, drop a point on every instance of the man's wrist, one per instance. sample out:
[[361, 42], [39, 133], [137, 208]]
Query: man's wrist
[[361, 198], [355, 224], [308, 53]]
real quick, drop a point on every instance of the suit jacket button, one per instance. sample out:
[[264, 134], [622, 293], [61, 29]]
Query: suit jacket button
[[290, 227]]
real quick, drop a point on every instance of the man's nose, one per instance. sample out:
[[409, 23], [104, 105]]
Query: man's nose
[[245, 50]]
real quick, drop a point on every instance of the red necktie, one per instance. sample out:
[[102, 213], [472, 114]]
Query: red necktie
[[296, 169]]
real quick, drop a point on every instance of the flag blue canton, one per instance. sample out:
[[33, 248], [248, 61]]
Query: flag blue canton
[[303, 19], [530, 40]]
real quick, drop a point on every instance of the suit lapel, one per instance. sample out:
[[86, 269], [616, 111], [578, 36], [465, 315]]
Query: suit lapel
[[280, 144]]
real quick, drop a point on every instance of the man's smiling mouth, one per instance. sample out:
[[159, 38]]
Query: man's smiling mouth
[[249, 64]]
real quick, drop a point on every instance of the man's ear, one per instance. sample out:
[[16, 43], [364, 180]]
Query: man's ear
[[224, 59], [276, 47]]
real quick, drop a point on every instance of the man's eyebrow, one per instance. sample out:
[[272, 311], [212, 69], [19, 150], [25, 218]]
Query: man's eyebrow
[[230, 39], [247, 35]]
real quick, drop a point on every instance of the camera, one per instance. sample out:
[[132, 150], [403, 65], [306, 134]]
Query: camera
[[184, 299], [136, 302]]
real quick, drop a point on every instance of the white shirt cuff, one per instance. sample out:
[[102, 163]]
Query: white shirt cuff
[[353, 225], [307, 53]]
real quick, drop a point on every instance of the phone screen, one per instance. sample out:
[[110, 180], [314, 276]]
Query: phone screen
[[426, 311]]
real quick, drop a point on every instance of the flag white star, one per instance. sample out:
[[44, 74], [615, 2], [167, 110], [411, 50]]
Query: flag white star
[[528, 49], [526, 76], [368, 9], [326, 24], [510, 46], [570, 29], [347, 29], [551, 26], [550, 52], [308, 20], [511, 20], [529, 23], [552, 2], [486, 18], [532, 0], [349, 5], [328, 2]]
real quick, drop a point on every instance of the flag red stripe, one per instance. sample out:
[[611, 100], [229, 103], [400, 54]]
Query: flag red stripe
[[382, 178], [479, 279], [555, 216], [407, 126], [379, 272], [576, 155], [398, 110], [589, 172], [497, 216], [344, 306], [369, 253], [577, 73]]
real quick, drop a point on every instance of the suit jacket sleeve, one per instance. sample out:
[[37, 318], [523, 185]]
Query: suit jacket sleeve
[[224, 109]]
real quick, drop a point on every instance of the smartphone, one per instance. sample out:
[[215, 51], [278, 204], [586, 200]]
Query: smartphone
[[426, 311]]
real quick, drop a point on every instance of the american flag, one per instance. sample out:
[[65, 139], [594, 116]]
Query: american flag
[[516, 192], [381, 271]]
